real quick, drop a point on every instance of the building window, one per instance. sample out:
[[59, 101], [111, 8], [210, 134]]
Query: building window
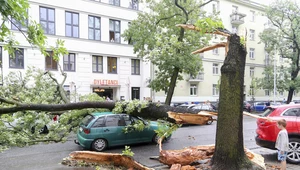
[[17, 61], [50, 63], [193, 90], [252, 35], [47, 20], [215, 51], [251, 91], [252, 19], [94, 28], [16, 25], [114, 31], [130, 39], [235, 9], [114, 2], [69, 62], [215, 90], [134, 4], [267, 92], [97, 64], [135, 93], [251, 71], [251, 53], [281, 93], [215, 68], [214, 8], [135, 66], [112, 65], [72, 24], [295, 93]]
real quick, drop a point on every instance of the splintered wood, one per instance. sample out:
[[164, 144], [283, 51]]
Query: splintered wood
[[184, 158]]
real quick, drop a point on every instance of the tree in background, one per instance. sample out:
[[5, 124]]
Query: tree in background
[[168, 47], [283, 38]]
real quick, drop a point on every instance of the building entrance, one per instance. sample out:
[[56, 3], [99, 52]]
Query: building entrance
[[104, 92]]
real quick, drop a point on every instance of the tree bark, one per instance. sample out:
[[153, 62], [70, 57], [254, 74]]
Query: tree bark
[[229, 151], [172, 86], [290, 95]]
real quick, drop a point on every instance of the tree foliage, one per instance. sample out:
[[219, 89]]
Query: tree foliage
[[284, 39], [168, 48]]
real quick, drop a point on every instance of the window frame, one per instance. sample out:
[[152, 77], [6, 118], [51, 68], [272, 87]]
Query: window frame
[[215, 90], [116, 72], [47, 20], [97, 64], [251, 53], [138, 89], [252, 71], [215, 51], [114, 2], [215, 69], [16, 58], [72, 24], [252, 19], [131, 2], [18, 24], [94, 27], [114, 31], [51, 57], [193, 89], [252, 34], [136, 65], [267, 92], [69, 70]]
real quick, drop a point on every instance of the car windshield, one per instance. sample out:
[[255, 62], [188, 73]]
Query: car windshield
[[267, 112], [86, 120]]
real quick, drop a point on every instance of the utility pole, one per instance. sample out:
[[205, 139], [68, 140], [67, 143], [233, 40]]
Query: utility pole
[[275, 73]]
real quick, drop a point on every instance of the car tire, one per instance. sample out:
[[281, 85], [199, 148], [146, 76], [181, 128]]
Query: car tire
[[99, 145], [293, 155], [210, 121]]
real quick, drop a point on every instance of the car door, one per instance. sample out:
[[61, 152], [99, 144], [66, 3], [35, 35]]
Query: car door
[[112, 132], [135, 136], [298, 121]]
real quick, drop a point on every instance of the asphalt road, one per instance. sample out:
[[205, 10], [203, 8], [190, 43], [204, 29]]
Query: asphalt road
[[49, 156]]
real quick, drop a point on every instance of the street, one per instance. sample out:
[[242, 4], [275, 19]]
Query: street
[[49, 156]]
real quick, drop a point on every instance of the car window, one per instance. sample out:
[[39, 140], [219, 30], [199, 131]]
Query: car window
[[260, 103], [87, 119], [99, 122], [205, 107], [112, 121], [267, 112], [291, 112], [127, 119]]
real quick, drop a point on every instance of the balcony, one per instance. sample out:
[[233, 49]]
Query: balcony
[[269, 27], [198, 78], [237, 18]]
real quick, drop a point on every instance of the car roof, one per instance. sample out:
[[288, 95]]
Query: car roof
[[101, 113], [287, 106]]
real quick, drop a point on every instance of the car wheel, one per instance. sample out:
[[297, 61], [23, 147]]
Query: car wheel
[[99, 145], [155, 139], [210, 121], [293, 155]]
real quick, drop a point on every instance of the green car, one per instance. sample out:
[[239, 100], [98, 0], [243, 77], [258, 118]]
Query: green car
[[100, 130]]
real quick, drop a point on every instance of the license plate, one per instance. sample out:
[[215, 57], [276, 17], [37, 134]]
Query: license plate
[[80, 129]]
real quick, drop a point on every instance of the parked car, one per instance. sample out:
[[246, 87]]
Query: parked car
[[267, 130], [188, 106], [259, 106], [204, 107], [101, 130], [247, 107]]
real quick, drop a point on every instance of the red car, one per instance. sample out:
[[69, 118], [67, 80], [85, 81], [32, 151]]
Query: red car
[[267, 130]]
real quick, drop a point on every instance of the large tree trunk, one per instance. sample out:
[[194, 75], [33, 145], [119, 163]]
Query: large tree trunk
[[290, 95], [229, 151], [172, 86]]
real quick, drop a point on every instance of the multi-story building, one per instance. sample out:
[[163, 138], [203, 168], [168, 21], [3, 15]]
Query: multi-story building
[[239, 17], [99, 59]]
